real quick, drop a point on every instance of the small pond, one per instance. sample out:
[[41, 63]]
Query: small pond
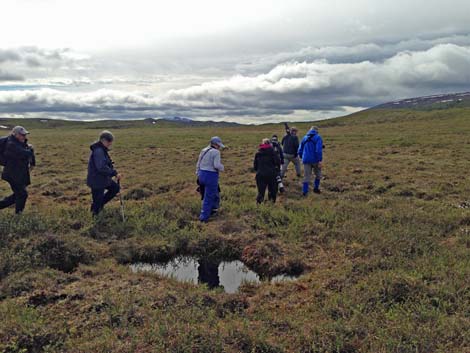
[[226, 274]]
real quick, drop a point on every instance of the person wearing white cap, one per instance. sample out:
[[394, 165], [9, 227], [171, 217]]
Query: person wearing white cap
[[18, 158], [207, 169]]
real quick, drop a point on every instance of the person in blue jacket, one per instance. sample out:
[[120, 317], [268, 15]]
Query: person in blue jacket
[[311, 154], [101, 173]]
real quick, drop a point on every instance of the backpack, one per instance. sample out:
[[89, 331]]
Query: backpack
[[3, 144]]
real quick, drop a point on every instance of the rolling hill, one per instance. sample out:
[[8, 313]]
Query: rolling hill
[[441, 101]]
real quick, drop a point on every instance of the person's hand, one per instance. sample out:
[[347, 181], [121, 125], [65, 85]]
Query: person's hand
[[30, 146], [119, 177], [320, 165]]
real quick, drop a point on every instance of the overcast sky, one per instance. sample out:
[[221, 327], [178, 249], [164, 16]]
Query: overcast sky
[[247, 60]]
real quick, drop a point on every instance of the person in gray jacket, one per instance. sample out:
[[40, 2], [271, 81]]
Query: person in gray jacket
[[207, 169]]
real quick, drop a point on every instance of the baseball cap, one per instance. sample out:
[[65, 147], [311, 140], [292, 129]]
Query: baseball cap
[[216, 140], [106, 135], [19, 130]]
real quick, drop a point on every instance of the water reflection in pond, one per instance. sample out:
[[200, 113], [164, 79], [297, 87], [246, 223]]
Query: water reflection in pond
[[228, 275]]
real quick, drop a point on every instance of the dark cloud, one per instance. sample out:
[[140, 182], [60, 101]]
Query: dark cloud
[[323, 81], [287, 88], [322, 85], [39, 63], [32, 55], [5, 76], [375, 52], [32, 61], [9, 55]]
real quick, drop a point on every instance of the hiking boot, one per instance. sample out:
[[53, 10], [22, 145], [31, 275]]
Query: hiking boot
[[282, 189], [305, 189], [317, 191], [214, 212]]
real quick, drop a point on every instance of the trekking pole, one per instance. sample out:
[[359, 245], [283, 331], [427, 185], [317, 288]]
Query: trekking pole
[[287, 128], [121, 201]]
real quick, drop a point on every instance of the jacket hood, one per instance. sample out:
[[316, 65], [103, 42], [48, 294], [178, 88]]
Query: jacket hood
[[96, 145], [312, 133], [265, 146]]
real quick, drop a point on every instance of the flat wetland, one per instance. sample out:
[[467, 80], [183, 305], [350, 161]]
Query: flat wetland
[[381, 257]]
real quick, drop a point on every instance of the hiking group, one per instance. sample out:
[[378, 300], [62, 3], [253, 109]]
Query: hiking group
[[271, 163]]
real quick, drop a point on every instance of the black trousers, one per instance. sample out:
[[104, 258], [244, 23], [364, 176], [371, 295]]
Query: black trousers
[[18, 198], [102, 196], [269, 182]]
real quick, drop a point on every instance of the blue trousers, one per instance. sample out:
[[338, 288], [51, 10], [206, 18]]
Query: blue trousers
[[211, 201]]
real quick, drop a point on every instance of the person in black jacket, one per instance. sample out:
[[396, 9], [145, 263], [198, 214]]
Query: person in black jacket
[[278, 149], [290, 144], [19, 158], [266, 165], [101, 173]]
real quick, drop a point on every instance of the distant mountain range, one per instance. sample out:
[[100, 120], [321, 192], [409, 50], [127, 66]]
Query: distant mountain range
[[189, 122], [177, 119], [435, 102], [440, 101]]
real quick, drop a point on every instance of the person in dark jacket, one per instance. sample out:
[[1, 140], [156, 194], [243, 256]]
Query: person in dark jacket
[[266, 165], [290, 144], [19, 160], [278, 149], [311, 152], [101, 173]]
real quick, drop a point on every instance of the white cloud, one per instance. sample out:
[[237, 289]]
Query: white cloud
[[321, 84], [374, 51], [286, 89]]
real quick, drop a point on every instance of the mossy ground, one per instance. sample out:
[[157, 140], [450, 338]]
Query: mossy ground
[[384, 250]]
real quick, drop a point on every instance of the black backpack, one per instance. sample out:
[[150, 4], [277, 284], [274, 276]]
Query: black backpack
[[3, 144]]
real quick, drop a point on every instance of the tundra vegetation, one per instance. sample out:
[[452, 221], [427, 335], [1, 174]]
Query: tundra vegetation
[[383, 254]]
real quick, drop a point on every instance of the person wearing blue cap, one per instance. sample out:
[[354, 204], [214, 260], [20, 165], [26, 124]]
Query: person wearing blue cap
[[207, 169]]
